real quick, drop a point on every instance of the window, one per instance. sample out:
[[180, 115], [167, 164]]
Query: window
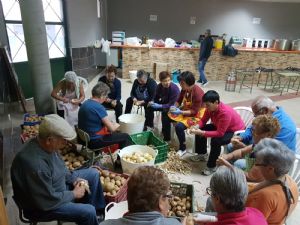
[[54, 27]]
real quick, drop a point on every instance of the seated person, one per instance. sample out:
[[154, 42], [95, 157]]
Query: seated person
[[45, 188], [93, 119], [262, 126], [264, 105], [70, 94], [142, 92], [114, 97], [188, 110], [224, 122], [148, 197], [277, 196], [228, 192], [166, 95]]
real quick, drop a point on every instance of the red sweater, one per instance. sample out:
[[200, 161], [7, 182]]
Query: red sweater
[[225, 119], [249, 216]]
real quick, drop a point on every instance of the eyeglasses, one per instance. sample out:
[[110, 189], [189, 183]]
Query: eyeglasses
[[169, 195], [209, 191], [260, 164]]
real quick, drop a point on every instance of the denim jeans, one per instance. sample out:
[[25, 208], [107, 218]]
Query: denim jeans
[[80, 213], [201, 66]]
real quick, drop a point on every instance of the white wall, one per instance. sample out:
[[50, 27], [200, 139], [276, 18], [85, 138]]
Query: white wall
[[234, 17]]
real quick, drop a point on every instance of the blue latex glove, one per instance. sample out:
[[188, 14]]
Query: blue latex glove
[[156, 106], [177, 112]]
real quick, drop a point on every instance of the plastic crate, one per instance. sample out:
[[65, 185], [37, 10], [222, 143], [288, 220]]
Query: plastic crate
[[32, 123], [148, 138], [121, 194], [183, 190]]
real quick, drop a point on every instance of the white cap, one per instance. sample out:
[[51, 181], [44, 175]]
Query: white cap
[[56, 125]]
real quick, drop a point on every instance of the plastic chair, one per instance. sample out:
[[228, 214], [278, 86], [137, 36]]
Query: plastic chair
[[246, 114], [295, 170], [31, 221], [84, 138]]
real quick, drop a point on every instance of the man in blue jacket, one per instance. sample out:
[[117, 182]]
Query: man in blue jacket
[[114, 97], [205, 51]]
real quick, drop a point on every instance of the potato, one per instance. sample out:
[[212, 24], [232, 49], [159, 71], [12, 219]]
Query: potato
[[76, 164], [118, 177], [188, 198], [112, 181], [105, 173], [176, 198], [112, 175], [179, 213], [187, 205], [183, 208], [117, 188], [173, 203], [118, 183], [113, 192], [108, 186], [178, 208], [106, 179]]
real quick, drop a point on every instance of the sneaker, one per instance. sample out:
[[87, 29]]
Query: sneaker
[[181, 152], [199, 157], [199, 81], [208, 171], [204, 84]]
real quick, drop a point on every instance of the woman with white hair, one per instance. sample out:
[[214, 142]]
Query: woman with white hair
[[69, 94], [228, 192]]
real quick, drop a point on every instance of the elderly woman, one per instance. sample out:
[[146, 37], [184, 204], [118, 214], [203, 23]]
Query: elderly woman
[[166, 95], [114, 97], [187, 110], [148, 199], [142, 92], [228, 194], [224, 122], [69, 93], [93, 119], [262, 126], [277, 196]]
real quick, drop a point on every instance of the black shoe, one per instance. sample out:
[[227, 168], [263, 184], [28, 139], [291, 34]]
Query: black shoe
[[199, 81]]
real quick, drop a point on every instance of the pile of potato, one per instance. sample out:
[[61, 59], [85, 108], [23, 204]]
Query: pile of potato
[[138, 157], [33, 118], [72, 159], [111, 182], [180, 206], [30, 131]]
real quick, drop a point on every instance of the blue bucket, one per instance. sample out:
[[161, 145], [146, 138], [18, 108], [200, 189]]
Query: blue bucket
[[175, 74]]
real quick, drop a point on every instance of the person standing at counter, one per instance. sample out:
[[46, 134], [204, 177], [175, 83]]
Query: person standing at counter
[[205, 51], [142, 92], [114, 97]]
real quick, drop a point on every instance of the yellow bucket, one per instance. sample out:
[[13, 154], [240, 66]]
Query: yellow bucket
[[218, 44]]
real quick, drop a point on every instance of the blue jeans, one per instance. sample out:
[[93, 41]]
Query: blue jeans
[[80, 213], [201, 66]]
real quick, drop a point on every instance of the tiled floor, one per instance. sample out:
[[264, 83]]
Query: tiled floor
[[290, 102]]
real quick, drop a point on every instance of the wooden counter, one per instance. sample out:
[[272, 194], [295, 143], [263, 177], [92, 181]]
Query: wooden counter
[[217, 67]]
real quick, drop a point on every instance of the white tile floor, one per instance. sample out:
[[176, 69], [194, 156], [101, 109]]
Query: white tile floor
[[292, 106]]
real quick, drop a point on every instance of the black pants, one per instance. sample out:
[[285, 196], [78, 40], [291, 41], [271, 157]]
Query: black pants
[[165, 121], [122, 139], [215, 144], [149, 113], [118, 109]]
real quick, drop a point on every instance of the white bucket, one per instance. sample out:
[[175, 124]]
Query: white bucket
[[116, 211], [132, 75], [129, 167], [131, 123]]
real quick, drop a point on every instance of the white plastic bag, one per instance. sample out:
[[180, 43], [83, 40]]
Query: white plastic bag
[[105, 46], [133, 41], [170, 43]]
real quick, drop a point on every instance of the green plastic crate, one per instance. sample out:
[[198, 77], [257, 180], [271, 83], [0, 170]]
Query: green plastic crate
[[148, 138]]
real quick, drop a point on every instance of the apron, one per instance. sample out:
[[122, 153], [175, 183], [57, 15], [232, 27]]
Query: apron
[[188, 121], [71, 110]]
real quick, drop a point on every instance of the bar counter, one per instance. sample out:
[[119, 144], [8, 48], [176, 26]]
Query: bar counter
[[217, 67]]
